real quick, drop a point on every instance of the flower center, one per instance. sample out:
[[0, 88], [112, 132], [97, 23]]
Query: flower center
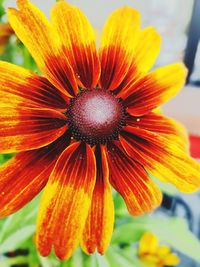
[[95, 116]]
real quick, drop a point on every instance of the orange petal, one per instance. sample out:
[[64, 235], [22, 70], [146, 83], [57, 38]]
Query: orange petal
[[78, 41], [66, 201], [132, 182], [167, 127], [154, 89], [38, 35], [5, 29], [99, 225], [25, 175], [162, 158], [5, 32], [19, 86], [145, 54], [24, 129], [118, 43]]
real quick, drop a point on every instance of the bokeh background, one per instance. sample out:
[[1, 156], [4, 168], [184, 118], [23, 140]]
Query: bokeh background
[[177, 221]]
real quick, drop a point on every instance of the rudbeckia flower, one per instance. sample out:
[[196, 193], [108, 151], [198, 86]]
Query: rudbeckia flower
[[87, 124], [154, 255], [5, 32]]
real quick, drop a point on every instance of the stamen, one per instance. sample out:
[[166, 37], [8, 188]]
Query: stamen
[[95, 116]]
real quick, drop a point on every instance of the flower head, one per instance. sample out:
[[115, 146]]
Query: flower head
[[88, 124], [154, 255]]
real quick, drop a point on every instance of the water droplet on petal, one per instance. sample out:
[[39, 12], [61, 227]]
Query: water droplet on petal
[[78, 76]]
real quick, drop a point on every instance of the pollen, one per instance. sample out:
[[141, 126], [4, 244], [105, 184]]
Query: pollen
[[95, 116]]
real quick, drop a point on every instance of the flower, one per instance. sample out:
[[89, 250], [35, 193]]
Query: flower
[[5, 32], [87, 124], [154, 255]]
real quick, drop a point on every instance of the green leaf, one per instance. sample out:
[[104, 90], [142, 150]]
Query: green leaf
[[5, 262], [4, 158], [129, 232], [118, 258], [45, 262], [173, 231], [2, 10], [77, 258], [102, 261], [18, 237], [91, 261], [24, 217]]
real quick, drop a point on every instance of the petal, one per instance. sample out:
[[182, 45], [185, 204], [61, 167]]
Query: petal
[[118, 43], [154, 89], [66, 201], [132, 182], [78, 40], [167, 127], [19, 86], [25, 175], [151, 260], [162, 158], [147, 49], [172, 260], [148, 244], [163, 250], [99, 224], [145, 54], [24, 129], [34, 30]]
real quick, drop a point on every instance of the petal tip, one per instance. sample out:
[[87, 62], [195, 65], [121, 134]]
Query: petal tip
[[156, 34], [102, 250], [11, 10], [90, 249], [180, 69], [63, 253], [22, 3]]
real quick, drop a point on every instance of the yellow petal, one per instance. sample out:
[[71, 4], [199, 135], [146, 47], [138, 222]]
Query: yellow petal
[[172, 260], [163, 158], [154, 89], [150, 261], [99, 225], [78, 42], [66, 201], [163, 251], [148, 244], [118, 43], [143, 58], [167, 127], [35, 31], [147, 49]]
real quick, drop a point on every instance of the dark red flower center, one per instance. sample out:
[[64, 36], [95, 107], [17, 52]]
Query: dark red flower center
[[95, 116]]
